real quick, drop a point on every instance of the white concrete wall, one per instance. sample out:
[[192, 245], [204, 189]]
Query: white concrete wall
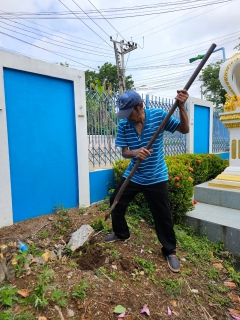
[[22, 63], [191, 102]]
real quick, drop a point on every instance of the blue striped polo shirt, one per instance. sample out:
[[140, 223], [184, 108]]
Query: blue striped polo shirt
[[153, 169]]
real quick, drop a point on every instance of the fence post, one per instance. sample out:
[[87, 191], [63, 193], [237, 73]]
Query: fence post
[[147, 100]]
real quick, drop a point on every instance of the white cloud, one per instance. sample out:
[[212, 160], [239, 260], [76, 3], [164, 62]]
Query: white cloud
[[179, 36]]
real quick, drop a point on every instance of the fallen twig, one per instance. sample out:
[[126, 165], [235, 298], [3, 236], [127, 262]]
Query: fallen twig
[[100, 303], [97, 233], [208, 316], [59, 312], [41, 228]]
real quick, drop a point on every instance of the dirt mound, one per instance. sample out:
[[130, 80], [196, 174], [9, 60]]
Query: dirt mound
[[92, 258]]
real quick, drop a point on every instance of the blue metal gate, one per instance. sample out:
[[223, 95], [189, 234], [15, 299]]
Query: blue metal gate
[[42, 143]]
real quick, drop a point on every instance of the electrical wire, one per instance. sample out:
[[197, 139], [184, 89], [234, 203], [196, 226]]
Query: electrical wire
[[180, 49], [84, 22], [54, 35], [124, 16], [58, 45], [44, 49], [142, 7], [181, 21], [50, 38], [107, 21], [90, 18]]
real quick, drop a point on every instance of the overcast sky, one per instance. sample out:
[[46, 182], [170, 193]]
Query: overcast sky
[[168, 33]]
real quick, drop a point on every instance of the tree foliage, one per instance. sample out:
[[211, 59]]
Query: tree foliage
[[107, 77], [213, 90]]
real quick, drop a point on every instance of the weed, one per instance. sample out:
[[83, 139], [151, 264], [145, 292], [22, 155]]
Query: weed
[[100, 271], [79, 291], [222, 289], [104, 205], [32, 249], [59, 297], [213, 273], [233, 274], [152, 277], [147, 266], [171, 286], [100, 225], [63, 222], [187, 272], [6, 315], [38, 299], [21, 258], [8, 295], [216, 298], [68, 251], [112, 275], [114, 254], [43, 235], [81, 211], [72, 264]]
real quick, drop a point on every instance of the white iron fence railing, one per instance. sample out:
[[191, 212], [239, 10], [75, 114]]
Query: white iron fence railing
[[102, 126]]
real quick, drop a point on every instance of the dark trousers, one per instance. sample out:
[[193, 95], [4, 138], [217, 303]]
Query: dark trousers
[[156, 196]]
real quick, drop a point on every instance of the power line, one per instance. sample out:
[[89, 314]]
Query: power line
[[48, 37], [90, 18], [142, 7], [179, 49], [43, 49], [182, 21], [12, 14], [58, 45], [107, 20], [48, 16], [43, 32], [83, 22]]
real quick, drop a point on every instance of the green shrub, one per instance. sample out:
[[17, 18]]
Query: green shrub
[[119, 168], [180, 188], [216, 165], [185, 171]]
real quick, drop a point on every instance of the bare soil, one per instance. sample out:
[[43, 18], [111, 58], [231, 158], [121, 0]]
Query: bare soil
[[125, 281]]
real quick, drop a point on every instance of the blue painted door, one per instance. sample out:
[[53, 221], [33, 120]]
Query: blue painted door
[[201, 129], [42, 143]]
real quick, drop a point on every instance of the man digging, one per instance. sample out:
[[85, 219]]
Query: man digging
[[135, 130]]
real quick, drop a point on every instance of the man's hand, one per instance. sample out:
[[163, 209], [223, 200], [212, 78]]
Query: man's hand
[[182, 96], [142, 153]]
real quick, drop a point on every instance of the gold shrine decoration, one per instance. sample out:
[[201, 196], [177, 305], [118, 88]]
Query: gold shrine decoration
[[226, 74], [232, 125], [234, 149], [227, 117], [232, 102]]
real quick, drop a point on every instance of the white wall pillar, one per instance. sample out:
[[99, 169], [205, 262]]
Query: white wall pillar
[[191, 102]]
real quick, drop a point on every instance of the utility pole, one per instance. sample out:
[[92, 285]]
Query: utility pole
[[125, 47], [201, 90]]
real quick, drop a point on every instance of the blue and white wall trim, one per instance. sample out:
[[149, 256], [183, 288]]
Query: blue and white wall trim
[[43, 144]]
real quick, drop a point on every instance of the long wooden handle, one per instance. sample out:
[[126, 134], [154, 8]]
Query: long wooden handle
[[162, 125]]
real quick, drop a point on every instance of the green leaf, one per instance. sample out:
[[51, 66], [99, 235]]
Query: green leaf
[[119, 309]]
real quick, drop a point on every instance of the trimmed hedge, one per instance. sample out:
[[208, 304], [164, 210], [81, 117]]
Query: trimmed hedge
[[184, 171]]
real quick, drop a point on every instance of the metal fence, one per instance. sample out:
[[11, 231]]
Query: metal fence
[[102, 126], [220, 137]]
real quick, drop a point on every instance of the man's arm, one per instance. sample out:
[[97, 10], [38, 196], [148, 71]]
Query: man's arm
[[138, 153], [182, 97]]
